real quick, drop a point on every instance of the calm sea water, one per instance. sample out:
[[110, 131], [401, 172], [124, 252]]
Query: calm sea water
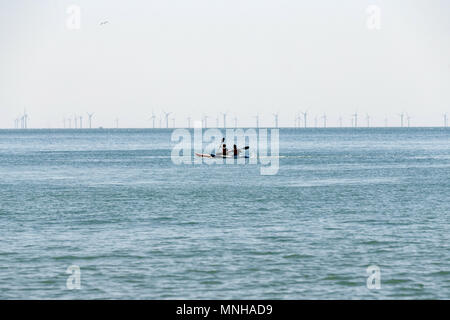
[[140, 227]]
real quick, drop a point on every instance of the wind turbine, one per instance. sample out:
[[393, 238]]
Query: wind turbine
[[305, 116], [340, 121], [224, 119], [70, 123], [217, 122], [368, 120], [324, 117], [153, 119], [81, 122], [296, 121], [315, 121], [166, 115], [386, 121], [205, 121], [90, 119], [401, 118], [75, 119], [257, 120], [235, 122], [117, 123], [408, 119], [275, 115], [25, 119], [189, 121], [445, 120], [355, 116]]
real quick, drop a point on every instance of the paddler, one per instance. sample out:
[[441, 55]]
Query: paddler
[[235, 151], [222, 146]]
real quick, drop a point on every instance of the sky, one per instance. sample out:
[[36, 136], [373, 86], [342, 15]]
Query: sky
[[243, 57]]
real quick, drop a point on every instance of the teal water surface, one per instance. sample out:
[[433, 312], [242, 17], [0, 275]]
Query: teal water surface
[[140, 227]]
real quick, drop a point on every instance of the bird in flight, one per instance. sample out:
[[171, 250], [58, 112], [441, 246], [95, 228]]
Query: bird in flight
[[104, 22]]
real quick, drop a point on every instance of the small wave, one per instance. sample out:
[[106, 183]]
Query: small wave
[[297, 256]]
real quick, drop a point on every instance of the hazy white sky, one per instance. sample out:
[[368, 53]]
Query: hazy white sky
[[209, 56]]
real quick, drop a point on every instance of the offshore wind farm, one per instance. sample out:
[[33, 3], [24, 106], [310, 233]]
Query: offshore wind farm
[[399, 120]]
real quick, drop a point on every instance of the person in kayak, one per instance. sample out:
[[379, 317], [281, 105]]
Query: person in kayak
[[222, 146], [235, 151], [224, 150]]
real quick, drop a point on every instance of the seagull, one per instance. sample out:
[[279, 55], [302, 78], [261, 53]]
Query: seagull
[[104, 22]]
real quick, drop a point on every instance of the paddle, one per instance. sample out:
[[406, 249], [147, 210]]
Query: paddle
[[239, 149], [219, 149]]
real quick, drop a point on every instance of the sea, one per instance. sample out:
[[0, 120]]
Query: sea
[[351, 213]]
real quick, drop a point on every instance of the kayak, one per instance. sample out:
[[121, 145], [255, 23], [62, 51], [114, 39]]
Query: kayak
[[206, 155]]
